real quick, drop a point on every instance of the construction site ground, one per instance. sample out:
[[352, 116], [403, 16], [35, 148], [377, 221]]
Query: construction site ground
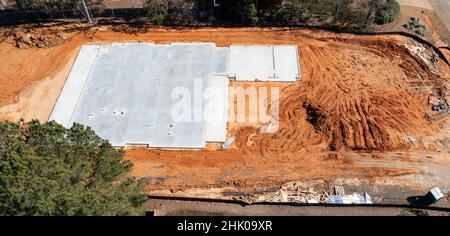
[[360, 116]]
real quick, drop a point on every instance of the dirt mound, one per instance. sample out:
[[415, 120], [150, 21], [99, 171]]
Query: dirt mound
[[370, 96], [38, 38], [354, 97]]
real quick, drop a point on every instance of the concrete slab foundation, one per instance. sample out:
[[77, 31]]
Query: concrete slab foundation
[[216, 109], [74, 85], [264, 63], [163, 96]]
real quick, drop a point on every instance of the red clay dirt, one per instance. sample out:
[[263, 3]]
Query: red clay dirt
[[357, 93]]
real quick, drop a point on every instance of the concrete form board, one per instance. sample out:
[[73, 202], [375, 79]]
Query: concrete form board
[[64, 107]]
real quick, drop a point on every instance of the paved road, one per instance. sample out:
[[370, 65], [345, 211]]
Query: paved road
[[197, 208], [442, 9], [416, 3]]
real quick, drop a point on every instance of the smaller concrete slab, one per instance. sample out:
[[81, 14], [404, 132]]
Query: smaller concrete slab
[[249, 63], [264, 63], [286, 63]]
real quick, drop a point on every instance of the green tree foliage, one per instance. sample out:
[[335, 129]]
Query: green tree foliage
[[305, 11], [345, 14], [158, 11], [268, 9], [413, 212], [238, 11], [58, 5], [249, 13], [388, 13], [95, 6], [45, 5], [352, 18], [177, 12], [46, 169], [269, 6]]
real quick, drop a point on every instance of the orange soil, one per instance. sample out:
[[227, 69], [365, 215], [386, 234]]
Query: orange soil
[[356, 93], [175, 170]]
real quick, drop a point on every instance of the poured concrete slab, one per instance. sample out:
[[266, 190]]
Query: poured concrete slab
[[286, 63], [216, 109], [128, 95], [264, 63], [249, 63], [131, 93], [68, 99]]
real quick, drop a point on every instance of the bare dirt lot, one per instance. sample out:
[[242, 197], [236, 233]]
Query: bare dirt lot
[[362, 109]]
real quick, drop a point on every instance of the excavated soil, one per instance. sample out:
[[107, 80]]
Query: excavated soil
[[357, 93]]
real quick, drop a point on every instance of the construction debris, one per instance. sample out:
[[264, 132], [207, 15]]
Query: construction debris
[[435, 195], [293, 192], [437, 104], [339, 190], [410, 139], [300, 193], [249, 199], [354, 198], [426, 55]]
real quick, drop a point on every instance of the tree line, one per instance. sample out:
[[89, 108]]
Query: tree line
[[341, 13]]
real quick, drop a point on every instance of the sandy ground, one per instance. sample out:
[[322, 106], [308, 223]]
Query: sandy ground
[[416, 3], [357, 94], [37, 100], [442, 8]]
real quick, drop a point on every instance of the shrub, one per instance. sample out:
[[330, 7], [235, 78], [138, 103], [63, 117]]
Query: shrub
[[238, 11], [388, 13], [175, 12]]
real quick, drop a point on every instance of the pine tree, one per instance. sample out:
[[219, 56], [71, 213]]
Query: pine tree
[[46, 169]]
